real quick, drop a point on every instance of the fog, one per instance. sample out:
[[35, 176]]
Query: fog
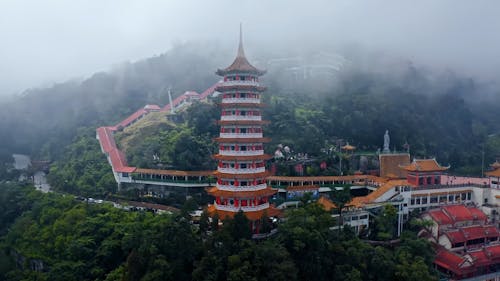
[[42, 42]]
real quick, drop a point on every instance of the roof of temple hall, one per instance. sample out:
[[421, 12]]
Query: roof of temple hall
[[424, 165], [240, 63]]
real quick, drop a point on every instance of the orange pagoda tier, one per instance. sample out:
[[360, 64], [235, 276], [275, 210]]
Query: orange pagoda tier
[[241, 171]]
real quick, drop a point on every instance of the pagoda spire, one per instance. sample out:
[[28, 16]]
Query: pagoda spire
[[240, 63], [241, 51]]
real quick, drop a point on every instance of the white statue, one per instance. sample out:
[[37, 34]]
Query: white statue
[[387, 141]]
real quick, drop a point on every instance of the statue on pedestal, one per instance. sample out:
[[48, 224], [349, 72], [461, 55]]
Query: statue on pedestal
[[387, 141]]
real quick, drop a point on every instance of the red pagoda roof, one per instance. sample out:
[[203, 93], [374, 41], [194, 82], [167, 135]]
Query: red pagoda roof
[[242, 157], [242, 176], [240, 63], [424, 165], [242, 122], [242, 104], [241, 140], [214, 191], [253, 216]]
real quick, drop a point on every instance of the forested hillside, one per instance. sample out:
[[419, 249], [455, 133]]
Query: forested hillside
[[437, 114], [54, 237]]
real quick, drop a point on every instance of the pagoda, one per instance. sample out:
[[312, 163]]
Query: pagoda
[[241, 171]]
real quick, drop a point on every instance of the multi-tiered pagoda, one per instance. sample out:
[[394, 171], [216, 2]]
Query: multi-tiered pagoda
[[241, 170]]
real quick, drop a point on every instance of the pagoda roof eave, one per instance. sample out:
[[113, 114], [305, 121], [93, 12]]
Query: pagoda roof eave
[[229, 70], [243, 122], [224, 88], [242, 157], [214, 191], [242, 104], [242, 140], [253, 216], [242, 176]]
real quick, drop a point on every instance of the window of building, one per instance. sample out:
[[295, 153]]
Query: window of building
[[434, 199], [424, 200]]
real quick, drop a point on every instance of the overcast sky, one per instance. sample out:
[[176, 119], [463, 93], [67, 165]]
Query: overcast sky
[[48, 41]]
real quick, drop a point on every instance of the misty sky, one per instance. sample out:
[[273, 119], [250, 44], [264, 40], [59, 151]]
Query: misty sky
[[48, 41]]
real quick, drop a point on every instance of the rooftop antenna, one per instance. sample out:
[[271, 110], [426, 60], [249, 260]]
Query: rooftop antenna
[[172, 110]]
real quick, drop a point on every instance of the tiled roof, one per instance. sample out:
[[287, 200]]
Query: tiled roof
[[327, 178], [452, 262], [457, 213], [494, 173], [424, 165], [208, 91], [462, 213], [326, 203], [242, 176], [478, 231], [214, 191], [253, 216], [302, 188], [242, 140], [173, 172], [242, 158], [240, 63], [152, 107], [119, 162], [370, 198], [106, 139], [440, 217], [133, 117]]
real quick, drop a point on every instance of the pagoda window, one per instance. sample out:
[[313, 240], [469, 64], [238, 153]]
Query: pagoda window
[[464, 196], [434, 199], [243, 130], [469, 196], [242, 78], [244, 148], [243, 113], [243, 165], [244, 183], [243, 95], [424, 200], [232, 148]]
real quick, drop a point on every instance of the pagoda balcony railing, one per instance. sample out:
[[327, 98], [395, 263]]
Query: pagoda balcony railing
[[239, 82], [242, 188], [232, 208], [447, 186], [241, 153], [241, 117], [241, 100], [241, 135], [241, 171]]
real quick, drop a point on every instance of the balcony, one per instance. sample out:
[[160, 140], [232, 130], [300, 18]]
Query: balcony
[[241, 153], [241, 188], [241, 171], [241, 100], [240, 135], [232, 208], [238, 83], [241, 117]]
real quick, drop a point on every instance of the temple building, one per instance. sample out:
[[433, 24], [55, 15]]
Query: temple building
[[423, 172], [241, 172]]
